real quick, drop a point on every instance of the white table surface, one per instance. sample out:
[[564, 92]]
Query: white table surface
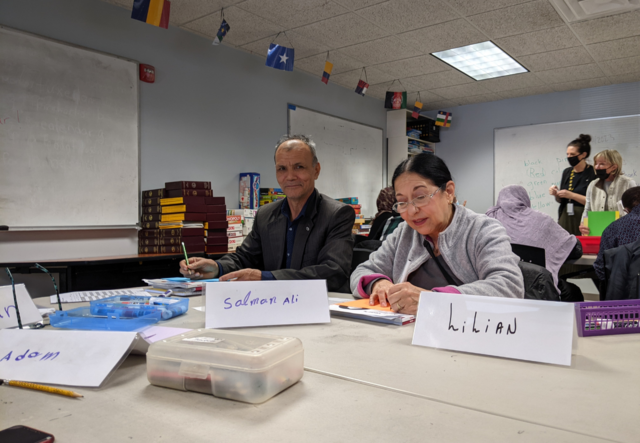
[[366, 382], [585, 260]]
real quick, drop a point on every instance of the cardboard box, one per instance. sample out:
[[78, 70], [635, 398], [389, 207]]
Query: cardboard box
[[249, 190]]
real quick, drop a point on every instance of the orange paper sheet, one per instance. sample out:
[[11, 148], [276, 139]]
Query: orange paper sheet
[[364, 303]]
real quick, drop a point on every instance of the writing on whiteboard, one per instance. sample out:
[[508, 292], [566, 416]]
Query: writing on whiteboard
[[499, 328], [248, 301], [34, 354]]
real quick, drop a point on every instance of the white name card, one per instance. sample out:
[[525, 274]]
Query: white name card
[[532, 330], [8, 315], [71, 358], [266, 303]]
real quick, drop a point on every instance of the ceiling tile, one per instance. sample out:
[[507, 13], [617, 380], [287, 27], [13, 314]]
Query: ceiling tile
[[625, 78], [570, 74], [410, 67], [440, 37], [124, 3], [621, 66], [536, 90], [453, 92], [556, 59], [608, 28], [517, 81], [293, 13], [350, 78], [358, 4], [439, 105], [441, 79], [245, 27], [379, 51], [341, 63], [581, 84], [546, 40], [183, 11], [302, 45], [425, 97], [622, 48], [473, 7], [483, 98], [378, 91], [343, 30], [405, 15], [518, 19]]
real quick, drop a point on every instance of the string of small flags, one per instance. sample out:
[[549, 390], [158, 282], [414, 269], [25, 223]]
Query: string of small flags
[[153, 12], [328, 67], [280, 57], [222, 31], [363, 85]]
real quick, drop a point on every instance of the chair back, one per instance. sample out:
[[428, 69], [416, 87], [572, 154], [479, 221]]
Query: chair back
[[362, 251], [529, 254]]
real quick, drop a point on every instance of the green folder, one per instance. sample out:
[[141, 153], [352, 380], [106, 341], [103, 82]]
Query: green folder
[[599, 220]]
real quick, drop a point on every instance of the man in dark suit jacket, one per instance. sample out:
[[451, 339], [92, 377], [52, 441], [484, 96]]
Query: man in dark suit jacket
[[305, 236]]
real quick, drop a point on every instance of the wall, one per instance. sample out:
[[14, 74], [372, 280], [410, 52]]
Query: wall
[[467, 146], [212, 113]]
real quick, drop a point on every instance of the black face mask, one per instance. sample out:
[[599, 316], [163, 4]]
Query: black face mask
[[573, 161], [602, 174]]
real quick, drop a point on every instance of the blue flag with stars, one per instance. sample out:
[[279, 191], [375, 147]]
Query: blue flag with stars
[[280, 57]]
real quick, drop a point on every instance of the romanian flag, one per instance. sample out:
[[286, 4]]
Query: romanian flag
[[443, 119], [395, 100], [153, 12], [362, 87], [417, 107], [328, 67]]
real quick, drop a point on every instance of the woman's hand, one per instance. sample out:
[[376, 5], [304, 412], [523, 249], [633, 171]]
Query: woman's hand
[[584, 230], [379, 292], [553, 190], [563, 193], [199, 268], [404, 298]]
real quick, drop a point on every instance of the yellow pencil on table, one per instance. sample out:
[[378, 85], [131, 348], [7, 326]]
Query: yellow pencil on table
[[184, 249], [49, 389]]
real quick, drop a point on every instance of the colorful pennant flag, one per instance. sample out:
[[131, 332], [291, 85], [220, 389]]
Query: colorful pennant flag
[[362, 87], [280, 57], [153, 12], [395, 100], [443, 119], [417, 107], [222, 32], [328, 67]]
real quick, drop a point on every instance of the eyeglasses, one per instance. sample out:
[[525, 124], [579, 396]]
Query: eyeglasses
[[418, 202]]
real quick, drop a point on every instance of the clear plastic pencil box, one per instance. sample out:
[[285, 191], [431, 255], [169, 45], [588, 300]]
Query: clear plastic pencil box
[[241, 366], [134, 306]]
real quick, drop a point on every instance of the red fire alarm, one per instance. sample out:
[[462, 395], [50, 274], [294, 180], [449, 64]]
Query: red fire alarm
[[147, 73]]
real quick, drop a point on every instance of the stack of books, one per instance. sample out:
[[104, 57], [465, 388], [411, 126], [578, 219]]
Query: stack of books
[[269, 195], [359, 222], [240, 225], [216, 226], [176, 286]]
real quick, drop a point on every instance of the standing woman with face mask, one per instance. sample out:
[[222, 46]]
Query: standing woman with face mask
[[573, 185], [604, 193]]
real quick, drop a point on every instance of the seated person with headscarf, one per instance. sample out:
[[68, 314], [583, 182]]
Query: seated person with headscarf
[[386, 219], [528, 227], [442, 247]]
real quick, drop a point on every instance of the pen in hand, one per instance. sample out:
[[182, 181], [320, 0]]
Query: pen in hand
[[184, 249]]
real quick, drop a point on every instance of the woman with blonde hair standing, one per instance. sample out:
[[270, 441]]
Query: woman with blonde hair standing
[[605, 193]]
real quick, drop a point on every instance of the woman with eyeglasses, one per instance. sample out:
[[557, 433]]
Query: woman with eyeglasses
[[573, 185], [442, 247], [605, 193]]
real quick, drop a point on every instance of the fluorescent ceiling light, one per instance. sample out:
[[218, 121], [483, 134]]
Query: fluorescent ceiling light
[[481, 61], [578, 10]]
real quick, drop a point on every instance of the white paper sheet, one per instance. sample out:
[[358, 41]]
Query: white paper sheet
[[70, 358], [262, 303], [28, 311], [514, 328]]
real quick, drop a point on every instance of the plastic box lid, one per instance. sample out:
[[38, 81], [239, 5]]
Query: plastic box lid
[[140, 305], [244, 351], [82, 318]]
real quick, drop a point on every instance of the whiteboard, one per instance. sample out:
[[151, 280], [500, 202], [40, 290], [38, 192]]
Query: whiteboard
[[535, 156], [350, 155], [69, 151]]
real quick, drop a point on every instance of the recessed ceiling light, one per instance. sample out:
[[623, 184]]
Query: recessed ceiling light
[[481, 61], [578, 10]]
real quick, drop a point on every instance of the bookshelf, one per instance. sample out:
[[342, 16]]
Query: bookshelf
[[398, 143]]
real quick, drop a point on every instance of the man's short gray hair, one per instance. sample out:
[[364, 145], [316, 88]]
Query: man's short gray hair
[[304, 139]]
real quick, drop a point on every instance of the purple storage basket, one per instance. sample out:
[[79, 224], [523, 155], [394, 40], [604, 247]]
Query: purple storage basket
[[608, 317]]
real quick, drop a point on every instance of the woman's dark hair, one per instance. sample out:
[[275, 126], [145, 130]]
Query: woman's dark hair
[[582, 144], [631, 198], [426, 165]]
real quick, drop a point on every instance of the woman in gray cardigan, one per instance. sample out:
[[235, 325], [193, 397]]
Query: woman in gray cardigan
[[442, 247]]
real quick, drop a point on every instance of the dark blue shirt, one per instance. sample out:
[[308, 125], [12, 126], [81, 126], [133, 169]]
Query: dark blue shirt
[[623, 231]]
